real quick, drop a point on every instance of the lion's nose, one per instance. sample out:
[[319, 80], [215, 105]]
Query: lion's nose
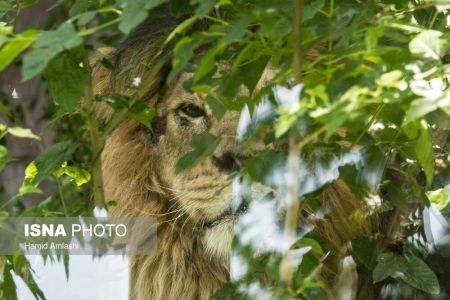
[[226, 162]]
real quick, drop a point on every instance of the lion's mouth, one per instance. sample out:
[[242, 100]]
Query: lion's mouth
[[227, 215]]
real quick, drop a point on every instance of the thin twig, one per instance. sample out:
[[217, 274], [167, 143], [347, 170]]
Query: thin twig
[[293, 162], [97, 143], [371, 122], [61, 196]]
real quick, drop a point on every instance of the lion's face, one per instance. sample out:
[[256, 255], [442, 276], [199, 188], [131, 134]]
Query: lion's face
[[139, 165], [197, 200], [203, 193]]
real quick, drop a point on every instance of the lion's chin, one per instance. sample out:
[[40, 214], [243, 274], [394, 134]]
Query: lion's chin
[[218, 238]]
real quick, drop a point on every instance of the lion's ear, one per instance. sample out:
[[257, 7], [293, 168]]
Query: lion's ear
[[101, 77]]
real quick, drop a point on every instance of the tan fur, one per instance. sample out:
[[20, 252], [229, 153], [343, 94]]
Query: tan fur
[[191, 262], [140, 175]]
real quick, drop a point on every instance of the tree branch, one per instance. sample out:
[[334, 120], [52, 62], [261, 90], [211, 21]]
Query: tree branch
[[293, 162], [97, 143]]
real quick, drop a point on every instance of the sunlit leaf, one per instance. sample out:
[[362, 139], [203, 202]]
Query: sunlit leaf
[[29, 189], [51, 159], [308, 242], [429, 44], [22, 133], [441, 197], [16, 46], [79, 175], [142, 113]]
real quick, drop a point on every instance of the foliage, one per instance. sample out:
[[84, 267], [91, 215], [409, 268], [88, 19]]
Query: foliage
[[372, 107]]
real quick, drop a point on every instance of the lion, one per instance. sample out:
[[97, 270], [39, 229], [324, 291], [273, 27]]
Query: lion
[[195, 222]]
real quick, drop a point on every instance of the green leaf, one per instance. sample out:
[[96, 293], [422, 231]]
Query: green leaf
[[181, 27], [134, 12], [28, 189], [440, 119], [424, 152], [315, 293], [217, 107], [236, 28], [67, 81], [393, 79], [250, 74], [183, 52], [429, 44], [116, 101], [3, 151], [22, 133], [81, 6], [86, 18], [63, 38], [312, 8], [35, 62], [416, 273], [387, 264], [111, 203], [423, 106], [8, 286], [51, 159], [204, 145], [26, 3], [308, 242], [48, 45], [6, 30], [227, 292], [364, 250], [409, 269], [16, 46], [66, 259], [22, 268], [372, 169], [142, 113], [372, 36], [139, 111], [5, 6], [79, 175], [441, 197], [208, 62], [30, 173], [203, 7], [266, 166], [421, 148]]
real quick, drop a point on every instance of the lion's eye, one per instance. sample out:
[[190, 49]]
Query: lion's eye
[[192, 110]]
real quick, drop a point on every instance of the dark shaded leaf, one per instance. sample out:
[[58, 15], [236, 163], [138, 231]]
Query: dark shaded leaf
[[409, 269], [204, 145], [364, 250], [67, 81]]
